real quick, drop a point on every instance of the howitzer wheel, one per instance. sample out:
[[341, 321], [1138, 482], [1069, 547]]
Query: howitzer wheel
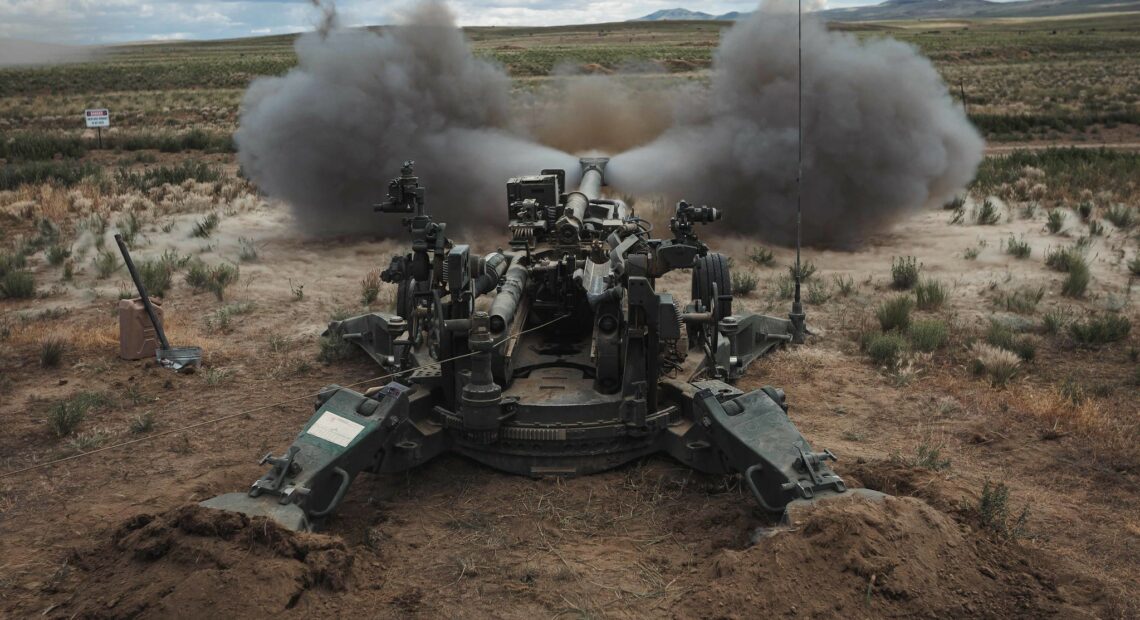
[[709, 270]]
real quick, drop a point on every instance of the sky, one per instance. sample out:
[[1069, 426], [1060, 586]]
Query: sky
[[93, 22]]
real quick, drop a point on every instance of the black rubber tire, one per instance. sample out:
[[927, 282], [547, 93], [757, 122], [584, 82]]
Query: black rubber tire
[[710, 269]]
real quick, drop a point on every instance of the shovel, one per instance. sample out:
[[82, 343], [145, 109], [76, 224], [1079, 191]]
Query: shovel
[[181, 359]]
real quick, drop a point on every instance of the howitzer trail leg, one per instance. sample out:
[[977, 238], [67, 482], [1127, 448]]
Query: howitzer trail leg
[[753, 434], [349, 433]]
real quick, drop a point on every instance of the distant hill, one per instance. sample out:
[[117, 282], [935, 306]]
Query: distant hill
[[943, 9], [930, 9], [686, 14]]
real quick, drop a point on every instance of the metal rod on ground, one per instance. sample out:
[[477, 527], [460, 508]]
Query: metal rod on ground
[[142, 292]]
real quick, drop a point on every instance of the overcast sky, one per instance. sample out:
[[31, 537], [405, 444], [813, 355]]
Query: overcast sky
[[113, 21]]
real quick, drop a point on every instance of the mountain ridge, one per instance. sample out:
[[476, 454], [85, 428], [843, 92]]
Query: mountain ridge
[[929, 9]]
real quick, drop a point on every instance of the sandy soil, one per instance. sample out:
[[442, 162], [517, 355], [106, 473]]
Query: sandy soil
[[115, 534]]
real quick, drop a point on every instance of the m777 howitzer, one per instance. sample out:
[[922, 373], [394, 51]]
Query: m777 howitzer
[[576, 365]]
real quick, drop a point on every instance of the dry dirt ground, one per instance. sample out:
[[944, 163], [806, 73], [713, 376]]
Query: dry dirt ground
[[116, 534]]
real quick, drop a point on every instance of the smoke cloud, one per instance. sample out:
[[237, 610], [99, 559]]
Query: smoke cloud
[[327, 136], [881, 135]]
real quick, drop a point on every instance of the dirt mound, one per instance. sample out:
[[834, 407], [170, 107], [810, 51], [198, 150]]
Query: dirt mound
[[204, 563], [865, 558]]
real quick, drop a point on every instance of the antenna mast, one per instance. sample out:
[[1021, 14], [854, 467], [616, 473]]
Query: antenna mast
[[797, 315]]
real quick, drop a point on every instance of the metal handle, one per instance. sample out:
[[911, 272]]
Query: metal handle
[[756, 490], [142, 292], [344, 480]]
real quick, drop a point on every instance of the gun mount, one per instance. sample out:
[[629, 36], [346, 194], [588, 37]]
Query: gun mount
[[572, 364]]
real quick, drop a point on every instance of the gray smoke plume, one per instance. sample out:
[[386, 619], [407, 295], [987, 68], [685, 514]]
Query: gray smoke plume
[[327, 136], [881, 135]]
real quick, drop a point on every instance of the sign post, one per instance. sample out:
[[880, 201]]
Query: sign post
[[98, 119]]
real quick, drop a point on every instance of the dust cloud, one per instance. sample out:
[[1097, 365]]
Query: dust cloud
[[16, 52], [588, 113], [327, 136], [881, 135]]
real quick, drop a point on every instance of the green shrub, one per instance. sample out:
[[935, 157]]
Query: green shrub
[[56, 254], [785, 286], [845, 285], [904, 272], [1063, 259], [1018, 248], [928, 335], [1021, 301], [895, 312], [1077, 282], [174, 175], [1134, 265], [1096, 229], [156, 276], [988, 214], [1055, 221], [743, 283], [215, 279], [40, 146], [1101, 330], [220, 319], [64, 418], [807, 270], [994, 512], [197, 275], [818, 293], [60, 174], [885, 349], [221, 277], [1002, 335], [1085, 210], [1121, 216], [129, 225], [204, 227], [761, 256], [1053, 322], [931, 294], [51, 351], [10, 261], [17, 284], [106, 263]]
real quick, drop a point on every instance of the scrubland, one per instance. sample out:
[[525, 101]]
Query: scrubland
[[982, 356]]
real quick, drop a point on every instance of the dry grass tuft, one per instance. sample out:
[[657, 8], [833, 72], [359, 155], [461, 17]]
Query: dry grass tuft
[[999, 364]]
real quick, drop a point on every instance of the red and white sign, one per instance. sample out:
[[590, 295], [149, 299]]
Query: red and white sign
[[97, 118]]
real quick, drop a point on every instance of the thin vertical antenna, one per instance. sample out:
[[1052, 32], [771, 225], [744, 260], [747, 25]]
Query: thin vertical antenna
[[797, 315]]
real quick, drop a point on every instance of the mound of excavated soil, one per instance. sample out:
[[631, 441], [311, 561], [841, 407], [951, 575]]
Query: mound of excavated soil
[[862, 558], [854, 558], [201, 563]]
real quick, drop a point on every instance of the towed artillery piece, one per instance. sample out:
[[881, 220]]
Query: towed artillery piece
[[557, 357]]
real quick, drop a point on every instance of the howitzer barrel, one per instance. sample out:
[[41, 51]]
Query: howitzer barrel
[[590, 188]]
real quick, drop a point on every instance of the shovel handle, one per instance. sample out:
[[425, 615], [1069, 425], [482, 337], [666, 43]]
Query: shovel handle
[[142, 292]]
